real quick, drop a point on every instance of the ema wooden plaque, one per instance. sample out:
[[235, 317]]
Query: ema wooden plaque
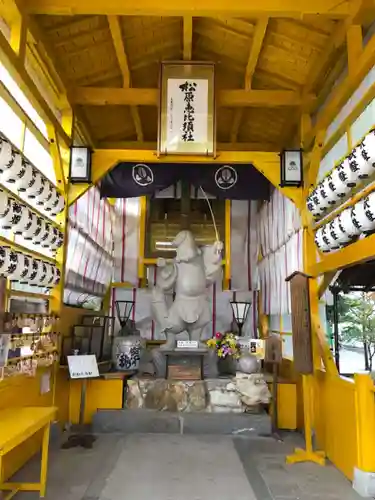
[[301, 325]]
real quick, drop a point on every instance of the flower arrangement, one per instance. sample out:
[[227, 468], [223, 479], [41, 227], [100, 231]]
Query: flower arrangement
[[225, 345]]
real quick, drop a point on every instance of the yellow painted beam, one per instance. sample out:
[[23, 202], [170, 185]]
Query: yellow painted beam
[[316, 157], [354, 44], [18, 37], [122, 58], [356, 253], [16, 68], [268, 164], [345, 89], [220, 146], [101, 96], [206, 8], [327, 280], [188, 38]]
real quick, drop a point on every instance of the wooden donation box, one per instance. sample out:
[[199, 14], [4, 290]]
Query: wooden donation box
[[301, 325], [185, 364]]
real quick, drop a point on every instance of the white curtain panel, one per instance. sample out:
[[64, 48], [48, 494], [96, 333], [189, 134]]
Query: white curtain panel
[[126, 240], [244, 245]]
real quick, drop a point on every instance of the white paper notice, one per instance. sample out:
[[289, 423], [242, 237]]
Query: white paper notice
[[83, 366], [45, 382]]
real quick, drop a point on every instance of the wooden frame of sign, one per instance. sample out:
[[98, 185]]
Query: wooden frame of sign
[[301, 323], [187, 118]]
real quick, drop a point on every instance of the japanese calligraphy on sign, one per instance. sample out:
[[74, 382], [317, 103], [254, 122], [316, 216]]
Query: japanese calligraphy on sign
[[83, 366], [186, 122]]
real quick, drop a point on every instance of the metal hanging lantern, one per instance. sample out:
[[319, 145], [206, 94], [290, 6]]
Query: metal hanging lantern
[[240, 312], [124, 309]]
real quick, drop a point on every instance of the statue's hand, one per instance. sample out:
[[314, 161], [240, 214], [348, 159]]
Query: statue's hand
[[218, 246], [161, 262]]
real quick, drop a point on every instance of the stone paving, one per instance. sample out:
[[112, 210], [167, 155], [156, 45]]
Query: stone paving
[[186, 467]]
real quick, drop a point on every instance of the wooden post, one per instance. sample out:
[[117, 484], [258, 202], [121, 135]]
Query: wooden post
[[303, 361]]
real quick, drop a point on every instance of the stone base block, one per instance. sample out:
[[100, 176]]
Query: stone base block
[[226, 395], [364, 483]]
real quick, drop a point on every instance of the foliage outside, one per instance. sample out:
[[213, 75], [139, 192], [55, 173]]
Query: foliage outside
[[357, 313]]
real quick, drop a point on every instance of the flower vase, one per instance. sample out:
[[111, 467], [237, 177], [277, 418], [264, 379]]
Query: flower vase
[[226, 366]]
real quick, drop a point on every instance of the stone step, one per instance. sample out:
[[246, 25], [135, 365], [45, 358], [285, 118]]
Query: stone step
[[151, 421]]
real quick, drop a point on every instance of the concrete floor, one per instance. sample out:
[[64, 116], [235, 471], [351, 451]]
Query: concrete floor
[[186, 467]]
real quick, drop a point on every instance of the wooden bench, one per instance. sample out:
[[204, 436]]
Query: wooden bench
[[16, 426]]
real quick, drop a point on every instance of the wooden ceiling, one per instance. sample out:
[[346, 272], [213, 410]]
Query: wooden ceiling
[[299, 57]]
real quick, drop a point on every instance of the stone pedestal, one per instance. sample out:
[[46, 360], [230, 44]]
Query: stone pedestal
[[224, 395]]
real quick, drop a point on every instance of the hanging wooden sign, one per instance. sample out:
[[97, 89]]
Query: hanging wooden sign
[[187, 109], [301, 324]]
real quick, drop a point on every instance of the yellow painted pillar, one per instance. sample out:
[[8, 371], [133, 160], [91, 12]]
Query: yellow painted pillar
[[227, 269], [365, 422]]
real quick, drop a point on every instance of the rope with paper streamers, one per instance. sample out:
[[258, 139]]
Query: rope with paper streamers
[[212, 213]]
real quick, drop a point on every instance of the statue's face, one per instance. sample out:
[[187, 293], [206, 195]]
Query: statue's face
[[184, 243]]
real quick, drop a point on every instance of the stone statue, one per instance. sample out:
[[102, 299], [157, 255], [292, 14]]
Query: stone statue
[[189, 273]]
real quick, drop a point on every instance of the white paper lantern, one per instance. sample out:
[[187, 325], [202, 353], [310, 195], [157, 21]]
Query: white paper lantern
[[320, 242], [329, 190], [342, 238], [52, 201], [334, 236], [27, 269], [369, 203], [40, 232], [36, 185], [57, 276], [323, 196], [20, 269], [312, 207], [359, 218], [59, 206], [3, 259], [347, 225], [362, 216], [23, 222], [11, 263], [25, 176], [45, 194], [43, 275], [50, 237], [37, 272], [58, 242], [5, 152], [366, 152], [29, 233], [3, 203], [335, 185], [15, 168], [49, 276], [6, 217], [348, 172]]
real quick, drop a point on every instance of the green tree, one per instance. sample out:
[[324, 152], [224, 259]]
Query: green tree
[[359, 319]]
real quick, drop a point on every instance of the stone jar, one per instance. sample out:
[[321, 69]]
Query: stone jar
[[127, 352]]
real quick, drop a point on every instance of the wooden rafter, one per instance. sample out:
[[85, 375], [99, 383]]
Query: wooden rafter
[[43, 46], [96, 96], [118, 42], [200, 8], [256, 47]]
